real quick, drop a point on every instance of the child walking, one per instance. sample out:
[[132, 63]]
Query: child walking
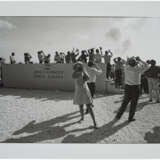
[[82, 94]]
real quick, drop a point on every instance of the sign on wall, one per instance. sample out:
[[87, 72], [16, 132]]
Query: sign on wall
[[44, 76]]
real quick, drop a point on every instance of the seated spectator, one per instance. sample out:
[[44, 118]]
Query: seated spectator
[[12, 58]]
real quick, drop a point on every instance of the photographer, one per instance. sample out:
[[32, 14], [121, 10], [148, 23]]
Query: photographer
[[133, 69]]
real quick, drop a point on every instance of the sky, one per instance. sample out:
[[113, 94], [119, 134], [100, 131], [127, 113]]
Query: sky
[[123, 36]]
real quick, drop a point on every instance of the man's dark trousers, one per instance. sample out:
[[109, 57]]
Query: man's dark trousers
[[131, 95]]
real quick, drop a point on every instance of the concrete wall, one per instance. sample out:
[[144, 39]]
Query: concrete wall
[[42, 76]]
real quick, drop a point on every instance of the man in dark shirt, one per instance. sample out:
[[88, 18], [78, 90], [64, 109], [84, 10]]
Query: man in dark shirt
[[152, 76]]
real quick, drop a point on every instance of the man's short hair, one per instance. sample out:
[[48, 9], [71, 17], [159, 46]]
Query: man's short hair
[[153, 62], [132, 62], [90, 64]]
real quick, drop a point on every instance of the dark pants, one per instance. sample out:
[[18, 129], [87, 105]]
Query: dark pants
[[92, 88], [131, 95], [118, 78], [108, 70], [144, 86]]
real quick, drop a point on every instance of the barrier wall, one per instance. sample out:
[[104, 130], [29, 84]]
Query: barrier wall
[[44, 76]]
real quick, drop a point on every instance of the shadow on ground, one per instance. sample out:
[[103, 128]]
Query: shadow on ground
[[153, 137], [43, 95], [140, 106], [96, 135], [45, 130], [49, 130]]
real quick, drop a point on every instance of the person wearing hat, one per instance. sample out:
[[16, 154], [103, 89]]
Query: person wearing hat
[[82, 95], [152, 77], [133, 69]]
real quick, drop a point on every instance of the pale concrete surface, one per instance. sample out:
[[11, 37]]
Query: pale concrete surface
[[36, 116]]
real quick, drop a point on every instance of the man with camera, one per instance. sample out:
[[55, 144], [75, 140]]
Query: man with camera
[[133, 69]]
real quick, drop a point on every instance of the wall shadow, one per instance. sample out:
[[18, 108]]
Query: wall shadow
[[153, 137], [43, 95]]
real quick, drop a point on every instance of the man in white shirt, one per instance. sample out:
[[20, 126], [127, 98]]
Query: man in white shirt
[[133, 70], [98, 56], [93, 71], [12, 58]]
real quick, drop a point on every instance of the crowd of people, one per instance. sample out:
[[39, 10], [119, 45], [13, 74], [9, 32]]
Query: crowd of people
[[135, 70], [90, 55], [133, 75]]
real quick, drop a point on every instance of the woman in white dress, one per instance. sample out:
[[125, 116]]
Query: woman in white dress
[[82, 94]]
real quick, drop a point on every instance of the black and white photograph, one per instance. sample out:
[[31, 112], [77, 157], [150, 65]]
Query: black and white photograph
[[79, 80]]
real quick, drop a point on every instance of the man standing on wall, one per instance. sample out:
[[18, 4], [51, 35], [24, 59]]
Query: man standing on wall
[[12, 58], [133, 70]]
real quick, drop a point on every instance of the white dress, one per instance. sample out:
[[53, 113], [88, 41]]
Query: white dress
[[82, 93]]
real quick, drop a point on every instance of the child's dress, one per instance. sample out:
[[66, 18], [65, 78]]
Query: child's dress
[[82, 94]]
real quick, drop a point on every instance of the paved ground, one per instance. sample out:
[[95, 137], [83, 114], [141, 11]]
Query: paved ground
[[36, 116]]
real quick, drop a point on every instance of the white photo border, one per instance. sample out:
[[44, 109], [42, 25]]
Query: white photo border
[[93, 9]]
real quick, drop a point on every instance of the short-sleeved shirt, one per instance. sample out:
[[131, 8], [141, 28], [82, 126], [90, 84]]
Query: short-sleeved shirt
[[93, 72], [133, 74]]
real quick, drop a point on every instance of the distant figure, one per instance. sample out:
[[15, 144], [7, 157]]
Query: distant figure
[[91, 55], [12, 58], [27, 58], [41, 57], [47, 59], [152, 76], [98, 56], [82, 94], [74, 55], [144, 85], [57, 58], [118, 71], [68, 57], [107, 59], [83, 56], [62, 57], [133, 69]]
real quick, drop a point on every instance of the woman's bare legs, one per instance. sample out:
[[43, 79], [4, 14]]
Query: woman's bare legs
[[81, 112], [92, 114]]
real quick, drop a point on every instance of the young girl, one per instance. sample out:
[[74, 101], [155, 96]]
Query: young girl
[[82, 94]]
